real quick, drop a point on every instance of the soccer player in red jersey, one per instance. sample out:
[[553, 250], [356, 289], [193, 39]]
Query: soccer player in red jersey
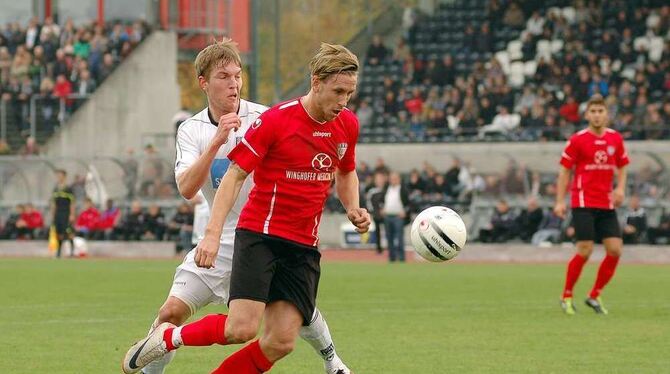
[[597, 154], [295, 149]]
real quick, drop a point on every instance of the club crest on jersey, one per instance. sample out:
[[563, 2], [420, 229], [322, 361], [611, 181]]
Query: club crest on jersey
[[322, 162], [256, 124], [600, 157], [610, 150], [341, 149]]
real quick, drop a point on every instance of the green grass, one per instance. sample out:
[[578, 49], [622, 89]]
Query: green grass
[[80, 317]]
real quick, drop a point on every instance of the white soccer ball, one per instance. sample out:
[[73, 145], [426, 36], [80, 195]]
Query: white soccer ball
[[438, 234]]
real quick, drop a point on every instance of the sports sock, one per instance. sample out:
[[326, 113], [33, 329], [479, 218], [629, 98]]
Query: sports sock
[[158, 366], [574, 270], [205, 331], [605, 273], [248, 360], [318, 336]]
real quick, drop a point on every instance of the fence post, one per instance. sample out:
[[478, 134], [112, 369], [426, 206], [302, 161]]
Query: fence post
[[33, 117], [3, 119]]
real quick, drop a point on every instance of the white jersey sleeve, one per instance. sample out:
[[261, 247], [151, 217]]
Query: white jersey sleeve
[[188, 147]]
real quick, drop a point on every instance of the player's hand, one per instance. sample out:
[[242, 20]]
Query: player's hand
[[227, 122], [360, 218], [560, 209], [206, 251], [617, 197]]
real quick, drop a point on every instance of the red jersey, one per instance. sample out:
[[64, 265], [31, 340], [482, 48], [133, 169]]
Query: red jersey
[[594, 159], [33, 219], [294, 159], [88, 219]]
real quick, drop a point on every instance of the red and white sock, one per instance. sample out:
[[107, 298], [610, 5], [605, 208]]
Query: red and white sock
[[248, 360], [575, 267], [605, 273], [205, 331]]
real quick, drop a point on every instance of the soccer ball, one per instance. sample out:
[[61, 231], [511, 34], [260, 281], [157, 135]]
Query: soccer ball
[[438, 234]]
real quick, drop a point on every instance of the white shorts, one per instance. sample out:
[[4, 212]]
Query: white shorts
[[198, 287]]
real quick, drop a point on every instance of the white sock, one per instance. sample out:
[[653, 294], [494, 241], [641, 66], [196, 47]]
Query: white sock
[[176, 337], [318, 336], [158, 366]]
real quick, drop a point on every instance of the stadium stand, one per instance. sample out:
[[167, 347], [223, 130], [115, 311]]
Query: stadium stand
[[519, 71], [47, 70]]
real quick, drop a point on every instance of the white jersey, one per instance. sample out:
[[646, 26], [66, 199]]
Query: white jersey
[[193, 137]]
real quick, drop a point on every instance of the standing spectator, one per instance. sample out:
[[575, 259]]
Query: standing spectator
[[62, 211], [529, 220], [180, 227], [396, 213], [85, 85], [88, 219], [375, 203], [635, 221]]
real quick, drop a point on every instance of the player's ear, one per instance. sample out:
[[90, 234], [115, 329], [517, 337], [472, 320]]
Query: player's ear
[[316, 83], [202, 82]]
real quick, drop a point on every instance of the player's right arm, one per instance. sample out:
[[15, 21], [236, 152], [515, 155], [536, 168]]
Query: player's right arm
[[568, 159], [195, 165], [561, 190], [225, 198]]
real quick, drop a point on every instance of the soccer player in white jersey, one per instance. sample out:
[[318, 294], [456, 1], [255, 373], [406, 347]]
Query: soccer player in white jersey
[[203, 142]]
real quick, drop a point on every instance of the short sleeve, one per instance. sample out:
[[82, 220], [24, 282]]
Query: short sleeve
[[187, 148], [569, 155], [348, 162], [255, 144], [621, 154]]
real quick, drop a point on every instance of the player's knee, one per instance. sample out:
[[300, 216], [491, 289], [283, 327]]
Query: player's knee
[[172, 313], [585, 250], [615, 250], [237, 333], [280, 347]]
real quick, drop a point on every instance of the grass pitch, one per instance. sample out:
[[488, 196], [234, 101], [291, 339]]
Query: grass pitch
[[80, 316]]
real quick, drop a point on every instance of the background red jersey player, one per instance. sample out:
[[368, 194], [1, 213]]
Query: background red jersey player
[[596, 154]]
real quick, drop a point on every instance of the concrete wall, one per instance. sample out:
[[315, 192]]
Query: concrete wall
[[138, 99]]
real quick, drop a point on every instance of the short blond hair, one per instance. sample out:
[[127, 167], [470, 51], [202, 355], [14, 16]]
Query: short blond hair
[[333, 59], [596, 99], [218, 54]]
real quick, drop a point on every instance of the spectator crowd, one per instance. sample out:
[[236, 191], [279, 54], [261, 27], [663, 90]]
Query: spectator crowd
[[53, 62], [518, 70]]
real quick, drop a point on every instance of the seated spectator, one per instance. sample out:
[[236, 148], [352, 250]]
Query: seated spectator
[[132, 226], [88, 220], [660, 232], [635, 221], [503, 122], [154, 223], [109, 222], [377, 52], [10, 229], [180, 227], [529, 220], [31, 223], [549, 229], [502, 227]]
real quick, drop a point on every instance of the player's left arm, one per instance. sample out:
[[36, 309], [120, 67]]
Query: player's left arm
[[346, 183], [72, 207]]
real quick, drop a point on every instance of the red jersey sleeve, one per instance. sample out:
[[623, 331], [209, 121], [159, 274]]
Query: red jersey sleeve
[[255, 144], [569, 155], [348, 162], [621, 154]]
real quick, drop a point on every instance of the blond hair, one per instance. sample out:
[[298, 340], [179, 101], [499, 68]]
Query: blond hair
[[218, 54], [333, 59], [596, 99]]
